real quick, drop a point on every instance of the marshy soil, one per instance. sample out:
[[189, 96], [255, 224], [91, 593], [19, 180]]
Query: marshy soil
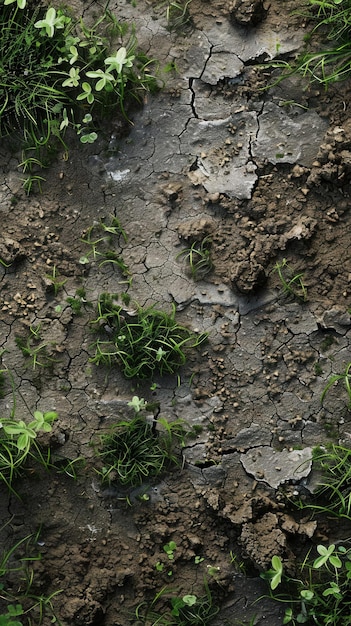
[[209, 155]]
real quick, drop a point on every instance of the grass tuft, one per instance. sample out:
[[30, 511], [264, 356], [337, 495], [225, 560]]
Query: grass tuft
[[332, 63], [143, 342], [137, 450], [56, 73]]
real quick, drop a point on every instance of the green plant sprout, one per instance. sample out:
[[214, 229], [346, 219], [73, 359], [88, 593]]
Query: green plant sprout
[[34, 349], [213, 571], [274, 575], [54, 278], [75, 304], [18, 600], [191, 609], [332, 63], [345, 376], [237, 564], [333, 490], [169, 549], [159, 566], [18, 443], [78, 301], [199, 258], [144, 343], [320, 592], [55, 72], [33, 181], [198, 559], [52, 21], [13, 611], [183, 610], [177, 15], [103, 240], [2, 383], [146, 612], [35, 330], [20, 3], [292, 284], [138, 404]]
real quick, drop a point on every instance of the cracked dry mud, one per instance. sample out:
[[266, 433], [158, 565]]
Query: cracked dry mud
[[211, 155]]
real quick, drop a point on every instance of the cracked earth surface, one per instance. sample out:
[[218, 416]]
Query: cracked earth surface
[[211, 155]]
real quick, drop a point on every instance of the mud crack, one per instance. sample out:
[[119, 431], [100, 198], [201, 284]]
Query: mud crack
[[193, 95], [254, 136]]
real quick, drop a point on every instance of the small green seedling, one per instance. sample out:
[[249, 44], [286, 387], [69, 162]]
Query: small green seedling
[[198, 257], [89, 137], [138, 404], [345, 376], [274, 575], [170, 549], [13, 611], [319, 592], [24, 433], [75, 304], [54, 278], [19, 600], [327, 556], [198, 559], [35, 330], [51, 21], [103, 239], [179, 603], [193, 609], [177, 15], [213, 571], [32, 181], [35, 352], [333, 494], [159, 566], [292, 284], [237, 564], [78, 301], [330, 64], [144, 497], [185, 610], [20, 3], [18, 442]]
